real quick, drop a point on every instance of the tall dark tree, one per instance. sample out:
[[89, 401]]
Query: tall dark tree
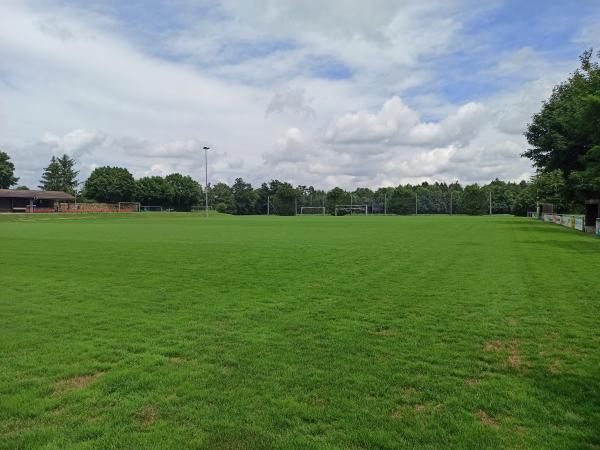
[[60, 175], [503, 196], [474, 201], [285, 199], [153, 191], [110, 184], [68, 174], [51, 176], [261, 196], [565, 134], [220, 197], [336, 196], [183, 191], [402, 201], [243, 196], [382, 199], [7, 172], [362, 196], [550, 187], [524, 201]]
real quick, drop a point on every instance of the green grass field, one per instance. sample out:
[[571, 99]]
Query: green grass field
[[171, 331]]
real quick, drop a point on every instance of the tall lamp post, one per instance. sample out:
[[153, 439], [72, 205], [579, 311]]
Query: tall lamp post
[[206, 149]]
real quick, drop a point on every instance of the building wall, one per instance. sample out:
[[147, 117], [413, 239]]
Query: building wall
[[5, 205]]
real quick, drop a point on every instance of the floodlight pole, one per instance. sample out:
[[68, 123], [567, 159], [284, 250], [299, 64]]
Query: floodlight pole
[[268, 205], [451, 202], [416, 204], [385, 204], [206, 149], [490, 203]]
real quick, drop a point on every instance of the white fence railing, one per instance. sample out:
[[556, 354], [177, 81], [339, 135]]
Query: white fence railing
[[597, 227]]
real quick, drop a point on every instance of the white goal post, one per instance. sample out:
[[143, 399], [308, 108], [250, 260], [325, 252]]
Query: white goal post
[[350, 209], [129, 207], [312, 210]]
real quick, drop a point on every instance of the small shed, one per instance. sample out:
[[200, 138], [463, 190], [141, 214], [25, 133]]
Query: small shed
[[25, 200]]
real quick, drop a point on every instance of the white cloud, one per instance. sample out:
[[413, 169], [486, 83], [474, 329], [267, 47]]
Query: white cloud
[[292, 147], [396, 123], [290, 100], [76, 143], [189, 148]]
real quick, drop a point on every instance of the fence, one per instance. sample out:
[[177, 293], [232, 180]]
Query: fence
[[597, 227], [566, 220]]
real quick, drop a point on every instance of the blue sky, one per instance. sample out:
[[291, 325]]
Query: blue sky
[[318, 92]]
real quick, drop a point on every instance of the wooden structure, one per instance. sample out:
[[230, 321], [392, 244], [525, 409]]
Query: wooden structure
[[29, 201]]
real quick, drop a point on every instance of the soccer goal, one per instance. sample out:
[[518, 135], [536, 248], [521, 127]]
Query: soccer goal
[[342, 210], [312, 211], [129, 207], [151, 208]]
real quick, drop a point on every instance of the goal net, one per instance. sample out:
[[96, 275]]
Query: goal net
[[151, 208], [312, 211], [129, 207], [342, 210]]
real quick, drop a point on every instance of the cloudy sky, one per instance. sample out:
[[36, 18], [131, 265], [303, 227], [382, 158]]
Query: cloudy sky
[[322, 92]]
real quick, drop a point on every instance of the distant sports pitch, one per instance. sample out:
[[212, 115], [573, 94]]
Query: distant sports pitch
[[172, 331]]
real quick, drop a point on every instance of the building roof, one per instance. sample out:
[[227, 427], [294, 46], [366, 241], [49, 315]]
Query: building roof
[[41, 195]]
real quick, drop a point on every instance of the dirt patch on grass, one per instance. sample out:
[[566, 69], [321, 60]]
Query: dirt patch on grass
[[147, 416], [512, 321], [385, 331], [413, 410], [320, 402], [555, 366], [79, 382], [409, 393], [486, 419], [397, 414], [471, 381], [493, 346], [511, 348], [227, 370], [514, 359], [176, 359]]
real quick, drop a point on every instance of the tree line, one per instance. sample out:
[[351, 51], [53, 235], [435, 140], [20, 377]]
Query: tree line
[[181, 193]]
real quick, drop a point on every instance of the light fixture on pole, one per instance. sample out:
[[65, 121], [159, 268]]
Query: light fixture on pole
[[206, 149]]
